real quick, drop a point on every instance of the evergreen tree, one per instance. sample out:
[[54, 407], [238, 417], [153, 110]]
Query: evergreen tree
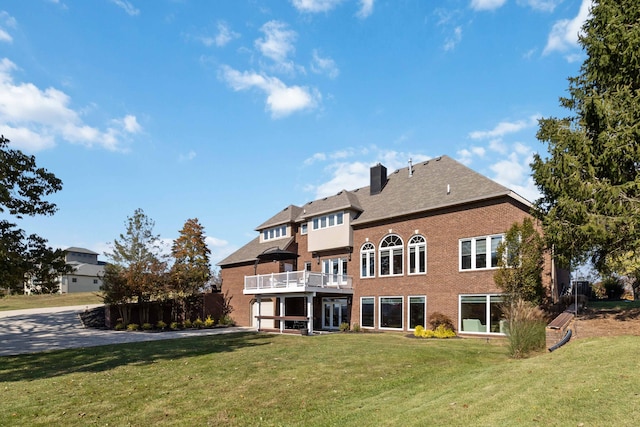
[[590, 182], [191, 268]]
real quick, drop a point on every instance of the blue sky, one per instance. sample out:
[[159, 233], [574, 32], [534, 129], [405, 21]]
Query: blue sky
[[229, 111]]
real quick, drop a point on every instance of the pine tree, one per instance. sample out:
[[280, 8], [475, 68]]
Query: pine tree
[[590, 182]]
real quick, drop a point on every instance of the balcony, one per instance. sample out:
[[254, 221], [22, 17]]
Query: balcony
[[297, 282]]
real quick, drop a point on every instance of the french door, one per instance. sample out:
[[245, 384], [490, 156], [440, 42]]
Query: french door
[[334, 312]]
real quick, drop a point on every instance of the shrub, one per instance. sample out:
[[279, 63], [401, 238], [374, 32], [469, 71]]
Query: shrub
[[436, 319], [119, 326], [227, 321], [525, 328], [174, 326], [443, 331], [161, 325], [147, 326], [187, 324], [133, 327], [356, 327], [197, 324], [613, 287], [209, 322], [417, 332], [344, 327]]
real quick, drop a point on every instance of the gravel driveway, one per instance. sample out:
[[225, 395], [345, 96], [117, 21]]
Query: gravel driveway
[[36, 330]]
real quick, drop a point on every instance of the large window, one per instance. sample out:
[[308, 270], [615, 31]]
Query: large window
[[417, 312], [275, 233], [367, 310], [391, 310], [417, 255], [391, 256], [367, 260], [330, 220], [481, 314], [479, 252], [336, 269]]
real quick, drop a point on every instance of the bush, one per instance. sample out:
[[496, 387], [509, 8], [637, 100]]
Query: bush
[[197, 324], [437, 319], [227, 321], [133, 327], [161, 325], [613, 288], [147, 326], [525, 328], [119, 326], [187, 324], [356, 327], [441, 331], [209, 322], [417, 332], [174, 326], [344, 327]]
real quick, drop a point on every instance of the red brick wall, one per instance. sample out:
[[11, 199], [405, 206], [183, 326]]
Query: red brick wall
[[443, 282]]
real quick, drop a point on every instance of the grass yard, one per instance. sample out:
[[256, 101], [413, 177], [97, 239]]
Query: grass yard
[[615, 304], [363, 379], [20, 302]]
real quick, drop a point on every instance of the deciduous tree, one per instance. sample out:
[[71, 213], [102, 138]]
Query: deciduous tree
[[590, 180]]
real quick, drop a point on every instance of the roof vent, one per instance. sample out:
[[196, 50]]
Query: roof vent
[[410, 168], [378, 179]]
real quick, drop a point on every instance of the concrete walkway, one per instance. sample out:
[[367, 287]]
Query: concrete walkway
[[44, 329]]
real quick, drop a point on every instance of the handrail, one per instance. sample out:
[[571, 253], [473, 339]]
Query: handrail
[[297, 280]]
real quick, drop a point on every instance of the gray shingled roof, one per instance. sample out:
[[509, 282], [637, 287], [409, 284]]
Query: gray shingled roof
[[251, 250], [285, 216], [434, 184], [81, 250]]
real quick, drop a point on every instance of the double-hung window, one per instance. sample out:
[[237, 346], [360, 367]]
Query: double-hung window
[[391, 256], [479, 252]]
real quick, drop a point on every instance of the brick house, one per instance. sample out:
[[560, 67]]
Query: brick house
[[417, 241]]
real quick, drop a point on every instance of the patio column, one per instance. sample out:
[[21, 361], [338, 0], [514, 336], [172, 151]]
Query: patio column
[[259, 311], [310, 314], [282, 313]]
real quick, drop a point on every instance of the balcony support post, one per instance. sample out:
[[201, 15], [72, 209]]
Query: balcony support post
[[310, 314]]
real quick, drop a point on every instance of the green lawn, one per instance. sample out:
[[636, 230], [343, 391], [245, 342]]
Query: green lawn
[[19, 302], [366, 379], [615, 304]]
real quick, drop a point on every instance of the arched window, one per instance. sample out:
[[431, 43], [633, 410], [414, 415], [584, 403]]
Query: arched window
[[391, 256], [368, 260], [417, 255]]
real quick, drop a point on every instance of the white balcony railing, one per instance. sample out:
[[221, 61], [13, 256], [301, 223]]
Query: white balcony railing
[[296, 281]]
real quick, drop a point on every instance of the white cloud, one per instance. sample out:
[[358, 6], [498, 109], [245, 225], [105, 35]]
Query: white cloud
[[315, 6], [6, 21], [498, 146], [316, 157], [39, 116], [564, 34], [366, 9], [452, 41], [514, 173], [187, 157], [487, 4], [465, 156], [504, 128], [282, 100], [130, 9], [322, 65], [541, 5], [278, 41], [225, 34], [347, 176]]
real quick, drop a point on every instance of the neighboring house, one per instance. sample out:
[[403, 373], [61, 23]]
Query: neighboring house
[[420, 240], [85, 276]]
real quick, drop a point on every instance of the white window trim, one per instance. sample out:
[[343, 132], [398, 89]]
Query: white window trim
[[374, 313], [371, 257], [417, 246], [304, 230], [283, 229], [390, 248], [409, 328], [380, 313], [487, 314], [473, 252]]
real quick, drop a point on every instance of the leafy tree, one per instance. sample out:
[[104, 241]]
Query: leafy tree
[[520, 262], [590, 182], [191, 268], [23, 190], [137, 271], [45, 265]]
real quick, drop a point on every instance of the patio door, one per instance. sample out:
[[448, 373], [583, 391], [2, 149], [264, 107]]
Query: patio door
[[334, 312]]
